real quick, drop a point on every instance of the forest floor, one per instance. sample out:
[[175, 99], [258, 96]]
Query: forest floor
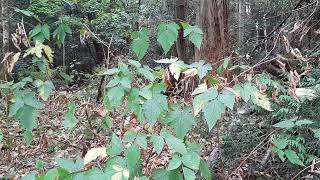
[[51, 140]]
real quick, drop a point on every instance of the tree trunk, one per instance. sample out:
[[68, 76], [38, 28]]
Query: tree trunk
[[5, 27], [241, 17], [213, 19], [181, 6], [5, 38]]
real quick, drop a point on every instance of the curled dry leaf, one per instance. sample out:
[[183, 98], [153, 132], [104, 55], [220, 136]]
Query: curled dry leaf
[[93, 154], [190, 73], [166, 78]]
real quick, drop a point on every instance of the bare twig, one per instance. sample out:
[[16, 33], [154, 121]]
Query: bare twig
[[254, 150], [305, 169]]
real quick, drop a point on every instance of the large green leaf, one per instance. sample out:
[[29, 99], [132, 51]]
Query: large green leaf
[[287, 124], [140, 43], [223, 66], [176, 145], [115, 96], [158, 143], [205, 171], [202, 68], [27, 116], [227, 98], [212, 112], [154, 107], [70, 121], [174, 163], [188, 174], [115, 147], [293, 157], [181, 120], [45, 89], [141, 140], [132, 155], [191, 160], [70, 165], [167, 35], [194, 34]]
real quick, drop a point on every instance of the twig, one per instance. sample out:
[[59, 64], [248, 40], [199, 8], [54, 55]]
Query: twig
[[305, 169], [262, 61], [254, 150]]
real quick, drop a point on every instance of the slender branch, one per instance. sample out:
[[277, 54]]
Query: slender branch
[[305, 169]]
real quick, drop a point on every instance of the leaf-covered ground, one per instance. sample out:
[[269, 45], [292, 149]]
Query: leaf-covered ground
[[51, 140]]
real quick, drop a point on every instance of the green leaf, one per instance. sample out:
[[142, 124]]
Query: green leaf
[[141, 140], [280, 142], [107, 122], [293, 157], [202, 68], [246, 91], [57, 174], [181, 121], [158, 143], [129, 136], [14, 108], [116, 146], [140, 43], [1, 137], [191, 160], [304, 122], [147, 74], [134, 63], [35, 31], [167, 35], [317, 134], [109, 72], [24, 12], [45, 90], [223, 66], [27, 135], [115, 96], [45, 30], [70, 165], [227, 98], [154, 107], [174, 163], [176, 145], [30, 100], [70, 121], [188, 174], [204, 169], [134, 100], [30, 176], [287, 124], [39, 164], [194, 34], [280, 153], [166, 175], [132, 155], [27, 116], [212, 112]]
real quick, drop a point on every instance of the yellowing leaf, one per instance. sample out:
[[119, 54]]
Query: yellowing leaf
[[94, 153], [49, 53], [262, 101]]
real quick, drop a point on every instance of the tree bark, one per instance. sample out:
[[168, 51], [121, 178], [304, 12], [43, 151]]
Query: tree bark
[[213, 19], [241, 17], [5, 27], [181, 6], [5, 38]]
